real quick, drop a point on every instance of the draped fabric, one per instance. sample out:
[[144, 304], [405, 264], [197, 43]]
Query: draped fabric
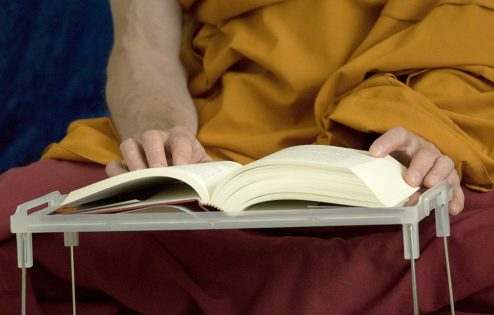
[[338, 72], [87, 140], [268, 74]]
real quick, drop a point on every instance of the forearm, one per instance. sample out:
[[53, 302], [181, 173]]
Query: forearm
[[138, 101], [147, 85]]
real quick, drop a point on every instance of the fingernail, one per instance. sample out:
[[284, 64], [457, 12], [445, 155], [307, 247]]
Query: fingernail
[[412, 179], [376, 151], [453, 208], [180, 161]]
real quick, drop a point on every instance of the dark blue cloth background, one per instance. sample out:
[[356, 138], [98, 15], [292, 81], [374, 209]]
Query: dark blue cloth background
[[53, 55]]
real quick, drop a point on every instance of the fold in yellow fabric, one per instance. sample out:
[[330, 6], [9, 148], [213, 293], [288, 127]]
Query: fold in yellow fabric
[[267, 74], [87, 140]]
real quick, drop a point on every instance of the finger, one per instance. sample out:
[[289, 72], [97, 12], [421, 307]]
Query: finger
[[180, 146], [395, 139], [457, 203], [153, 144], [422, 162], [443, 167], [203, 157], [115, 168], [199, 155], [133, 154], [414, 198]]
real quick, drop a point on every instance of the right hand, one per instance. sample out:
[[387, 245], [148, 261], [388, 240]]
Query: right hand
[[427, 166], [158, 148]]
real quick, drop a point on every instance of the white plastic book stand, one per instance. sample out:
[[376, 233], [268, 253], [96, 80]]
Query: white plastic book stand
[[24, 224]]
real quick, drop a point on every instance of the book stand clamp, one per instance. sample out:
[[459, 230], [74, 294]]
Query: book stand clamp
[[24, 224]]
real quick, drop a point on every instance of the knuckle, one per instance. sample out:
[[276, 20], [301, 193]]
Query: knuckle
[[403, 138], [181, 139], [421, 166], [401, 133], [424, 159], [431, 147], [454, 179], [446, 161], [428, 150], [150, 133], [180, 130], [132, 162], [127, 144]]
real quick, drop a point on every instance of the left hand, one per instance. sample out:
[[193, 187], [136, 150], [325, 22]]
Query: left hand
[[159, 148], [427, 165]]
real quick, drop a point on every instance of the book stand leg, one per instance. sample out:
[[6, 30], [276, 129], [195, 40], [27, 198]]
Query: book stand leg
[[21, 252], [410, 242], [71, 239], [25, 260]]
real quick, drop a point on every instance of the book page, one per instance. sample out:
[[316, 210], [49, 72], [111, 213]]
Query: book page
[[202, 177], [169, 194], [383, 176], [388, 183], [318, 173], [327, 155]]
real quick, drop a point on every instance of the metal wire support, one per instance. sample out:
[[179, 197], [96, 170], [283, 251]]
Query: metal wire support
[[23, 291], [71, 239], [448, 272], [25, 259], [72, 278], [414, 273]]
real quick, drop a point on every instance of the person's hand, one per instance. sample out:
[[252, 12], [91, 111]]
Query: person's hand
[[427, 165], [157, 148]]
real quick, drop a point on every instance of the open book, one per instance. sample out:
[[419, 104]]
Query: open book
[[307, 173]]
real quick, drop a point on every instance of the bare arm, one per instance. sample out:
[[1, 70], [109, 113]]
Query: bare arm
[[146, 88]]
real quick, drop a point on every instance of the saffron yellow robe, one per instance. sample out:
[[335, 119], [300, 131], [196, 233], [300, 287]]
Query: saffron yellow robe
[[267, 74]]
